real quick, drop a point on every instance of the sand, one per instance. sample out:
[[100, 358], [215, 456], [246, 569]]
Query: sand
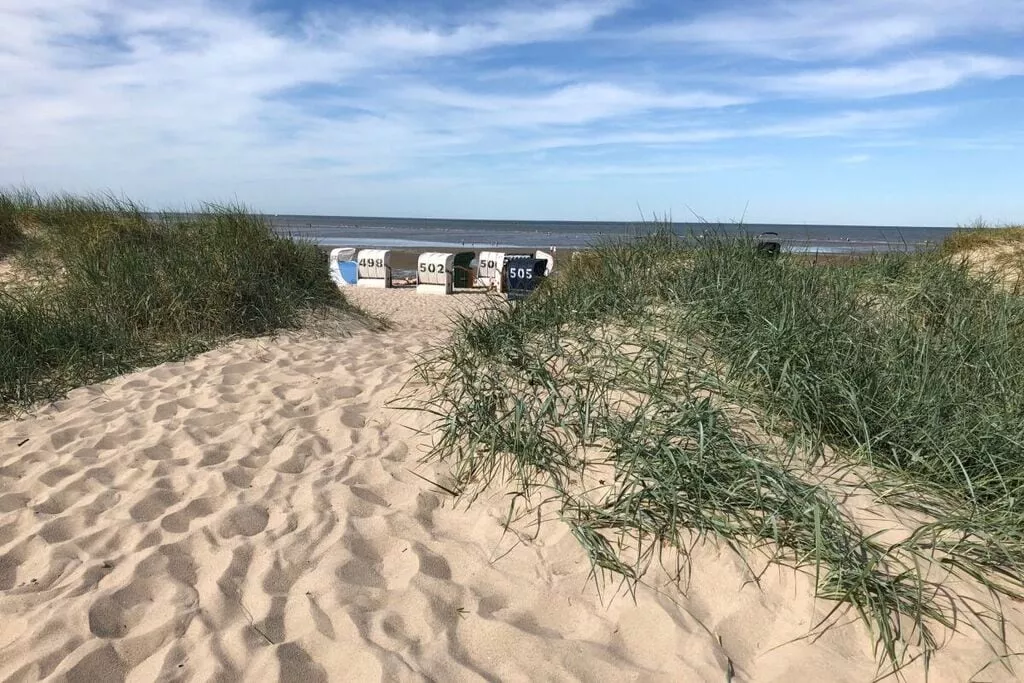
[[1004, 263], [259, 513]]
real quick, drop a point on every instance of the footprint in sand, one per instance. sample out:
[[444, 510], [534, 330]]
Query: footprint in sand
[[366, 566], [98, 476], [165, 411], [154, 537], [396, 452], [154, 505], [9, 502], [159, 451], [354, 416], [432, 564], [290, 394], [426, 503], [239, 372], [105, 407], [215, 455], [254, 461], [62, 437], [31, 563], [143, 605], [487, 607], [310, 448], [56, 475], [369, 503], [102, 664], [9, 532], [109, 442], [297, 665], [338, 393], [71, 494], [239, 477], [179, 522], [281, 576], [103, 501], [55, 504], [296, 464], [61, 529], [244, 520]]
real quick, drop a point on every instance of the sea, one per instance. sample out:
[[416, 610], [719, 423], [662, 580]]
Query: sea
[[418, 233]]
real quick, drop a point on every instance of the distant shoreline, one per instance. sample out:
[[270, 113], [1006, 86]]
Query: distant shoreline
[[398, 220], [420, 246], [338, 231]]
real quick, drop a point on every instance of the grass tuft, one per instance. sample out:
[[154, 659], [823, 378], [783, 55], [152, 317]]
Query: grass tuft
[[734, 395], [115, 288], [980, 235], [11, 231]]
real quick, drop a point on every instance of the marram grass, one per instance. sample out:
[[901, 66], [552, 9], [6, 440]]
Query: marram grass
[[116, 288], [980, 235], [651, 359]]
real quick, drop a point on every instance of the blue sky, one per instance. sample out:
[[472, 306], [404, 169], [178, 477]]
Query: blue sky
[[905, 112]]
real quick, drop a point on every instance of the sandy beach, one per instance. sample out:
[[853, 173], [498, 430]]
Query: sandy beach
[[258, 513], [511, 340]]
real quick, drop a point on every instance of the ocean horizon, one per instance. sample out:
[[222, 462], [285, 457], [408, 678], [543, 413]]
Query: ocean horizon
[[416, 233]]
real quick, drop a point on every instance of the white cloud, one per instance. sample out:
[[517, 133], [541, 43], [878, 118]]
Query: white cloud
[[570, 172], [899, 78], [573, 104], [841, 29], [136, 86], [387, 39], [838, 124]]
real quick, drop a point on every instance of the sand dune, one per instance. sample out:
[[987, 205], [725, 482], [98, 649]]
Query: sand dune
[[257, 513]]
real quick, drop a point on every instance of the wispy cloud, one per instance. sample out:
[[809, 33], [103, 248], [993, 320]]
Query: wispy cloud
[[898, 78], [86, 77], [843, 124], [841, 29], [573, 104], [855, 159], [377, 39]]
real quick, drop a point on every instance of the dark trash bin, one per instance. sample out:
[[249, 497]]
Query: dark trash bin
[[768, 244]]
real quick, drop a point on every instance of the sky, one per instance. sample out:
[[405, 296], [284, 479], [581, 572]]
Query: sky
[[875, 112]]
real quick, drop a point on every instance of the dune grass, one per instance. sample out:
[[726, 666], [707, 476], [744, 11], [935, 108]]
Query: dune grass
[[11, 233], [714, 381], [980, 234], [116, 288]]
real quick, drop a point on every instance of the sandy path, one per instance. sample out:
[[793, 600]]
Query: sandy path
[[252, 514]]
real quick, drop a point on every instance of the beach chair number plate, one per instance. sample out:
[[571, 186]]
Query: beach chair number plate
[[371, 263], [432, 268], [520, 273]]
